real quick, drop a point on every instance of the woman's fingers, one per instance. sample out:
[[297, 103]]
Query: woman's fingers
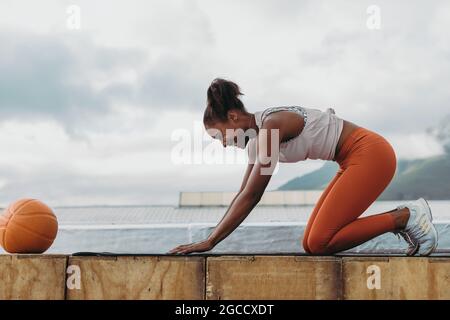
[[174, 250], [180, 249], [192, 247], [186, 249]]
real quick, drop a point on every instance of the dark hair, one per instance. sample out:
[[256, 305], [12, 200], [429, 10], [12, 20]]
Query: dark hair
[[222, 96]]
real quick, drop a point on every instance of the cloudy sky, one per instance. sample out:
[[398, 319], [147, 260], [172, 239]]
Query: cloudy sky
[[91, 104]]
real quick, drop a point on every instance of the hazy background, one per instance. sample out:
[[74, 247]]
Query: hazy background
[[86, 115]]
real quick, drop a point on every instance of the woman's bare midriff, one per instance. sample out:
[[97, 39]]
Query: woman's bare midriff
[[348, 128]]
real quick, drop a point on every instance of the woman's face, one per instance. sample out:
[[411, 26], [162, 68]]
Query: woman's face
[[230, 133]]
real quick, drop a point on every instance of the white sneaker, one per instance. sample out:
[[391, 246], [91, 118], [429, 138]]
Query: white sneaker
[[413, 245], [420, 228]]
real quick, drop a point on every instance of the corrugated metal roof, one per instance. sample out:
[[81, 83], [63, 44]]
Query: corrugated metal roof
[[171, 214], [270, 198], [117, 215]]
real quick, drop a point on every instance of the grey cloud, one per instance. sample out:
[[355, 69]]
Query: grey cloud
[[442, 132], [173, 82], [37, 80], [43, 76], [59, 185], [168, 83], [391, 79]]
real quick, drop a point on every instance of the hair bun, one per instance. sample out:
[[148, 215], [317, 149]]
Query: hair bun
[[222, 96]]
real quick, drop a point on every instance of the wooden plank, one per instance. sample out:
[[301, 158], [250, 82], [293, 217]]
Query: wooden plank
[[273, 277], [361, 281], [399, 278], [139, 277], [32, 277]]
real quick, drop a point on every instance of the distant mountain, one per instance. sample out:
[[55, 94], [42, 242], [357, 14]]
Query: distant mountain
[[316, 180], [428, 178]]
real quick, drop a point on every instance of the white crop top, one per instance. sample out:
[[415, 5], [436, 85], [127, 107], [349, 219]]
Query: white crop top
[[318, 139]]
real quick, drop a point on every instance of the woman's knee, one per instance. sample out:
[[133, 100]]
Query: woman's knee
[[317, 246], [305, 244]]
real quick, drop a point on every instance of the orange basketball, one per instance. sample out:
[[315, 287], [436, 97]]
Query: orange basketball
[[27, 226]]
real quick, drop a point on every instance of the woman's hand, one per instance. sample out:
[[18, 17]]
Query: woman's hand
[[201, 246]]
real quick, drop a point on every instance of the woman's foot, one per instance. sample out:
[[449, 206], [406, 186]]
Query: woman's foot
[[419, 229], [401, 216]]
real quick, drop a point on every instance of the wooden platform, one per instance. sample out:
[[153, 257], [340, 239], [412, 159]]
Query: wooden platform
[[32, 277], [240, 277]]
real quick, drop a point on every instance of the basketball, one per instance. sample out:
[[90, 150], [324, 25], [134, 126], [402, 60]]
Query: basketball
[[27, 226]]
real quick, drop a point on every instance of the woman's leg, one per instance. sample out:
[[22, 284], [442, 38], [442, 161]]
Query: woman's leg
[[336, 227], [316, 210]]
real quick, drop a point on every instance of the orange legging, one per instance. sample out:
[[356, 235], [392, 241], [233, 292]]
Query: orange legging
[[367, 164]]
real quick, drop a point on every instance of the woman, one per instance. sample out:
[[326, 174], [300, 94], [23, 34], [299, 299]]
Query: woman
[[367, 164]]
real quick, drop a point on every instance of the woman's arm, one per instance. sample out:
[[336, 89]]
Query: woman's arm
[[258, 174], [256, 183], [237, 212], [243, 184], [246, 175]]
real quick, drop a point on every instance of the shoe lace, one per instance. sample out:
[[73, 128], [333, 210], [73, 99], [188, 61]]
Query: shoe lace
[[406, 237]]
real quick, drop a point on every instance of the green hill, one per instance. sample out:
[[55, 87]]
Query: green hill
[[428, 178]]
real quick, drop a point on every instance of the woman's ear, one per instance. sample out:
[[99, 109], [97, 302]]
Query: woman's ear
[[232, 115]]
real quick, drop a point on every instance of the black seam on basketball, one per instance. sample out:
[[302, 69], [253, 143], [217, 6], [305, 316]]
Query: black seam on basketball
[[23, 204], [33, 231], [39, 214]]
